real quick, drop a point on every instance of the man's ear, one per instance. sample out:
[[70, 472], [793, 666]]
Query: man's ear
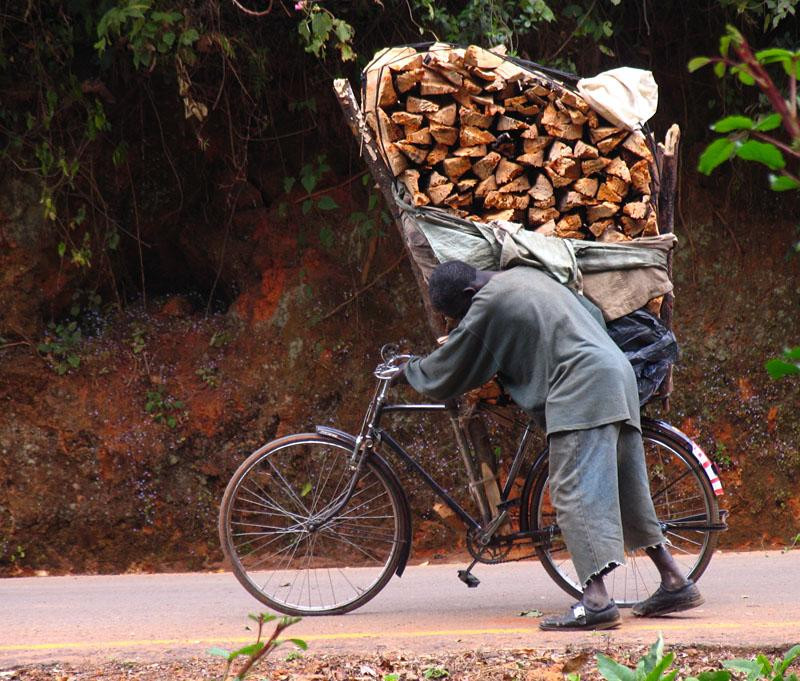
[[470, 290]]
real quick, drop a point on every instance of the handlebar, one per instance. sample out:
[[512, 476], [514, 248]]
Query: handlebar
[[392, 366]]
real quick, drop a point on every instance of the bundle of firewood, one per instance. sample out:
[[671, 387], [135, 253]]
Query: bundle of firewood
[[470, 131]]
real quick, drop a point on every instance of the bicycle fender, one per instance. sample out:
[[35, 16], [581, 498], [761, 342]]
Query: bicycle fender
[[405, 511], [530, 479], [709, 467]]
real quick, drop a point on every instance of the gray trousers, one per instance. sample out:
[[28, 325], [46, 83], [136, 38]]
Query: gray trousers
[[600, 490]]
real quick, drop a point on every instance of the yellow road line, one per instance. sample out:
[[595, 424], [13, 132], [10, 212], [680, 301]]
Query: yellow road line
[[628, 626]]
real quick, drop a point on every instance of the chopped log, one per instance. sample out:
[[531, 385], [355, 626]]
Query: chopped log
[[485, 100], [483, 74], [440, 192], [531, 133], [481, 59], [466, 185], [444, 116], [434, 84], [507, 171], [636, 209], [454, 168], [447, 71], [613, 236], [397, 161], [406, 81], [472, 118], [507, 123], [535, 144], [436, 179], [546, 203], [548, 228], [410, 179], [559, 150], [637, 144], [542, 190], [405, 118], [387, 95], [458, 200], [389, 130], [521, 202], [410, 62], [492, 109], [417, 105], [421, 136], [597, 228], [617, 185], [421, 199], [592, 120], [572, 200], [438, 154], [568, 226], [586, 186], [414, 154], [463, 98], [632, 227], [486, 165], [478, 151], [640, 176], [520, 184], [598, 134], [574, 100], [537, 216], [618, 168], [609, 143], [606, 193], [577, 117], [602, 210], [497, 85], [444, 134], [593, 166], [563, 171], [651, 226], [469, 136], [500, 215], [585, 151], [535, 160], [485, 186]]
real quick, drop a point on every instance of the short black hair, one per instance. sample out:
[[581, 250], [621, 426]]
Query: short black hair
[[446, 287]]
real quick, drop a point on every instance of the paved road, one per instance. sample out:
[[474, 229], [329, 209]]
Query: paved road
[[752, 598]]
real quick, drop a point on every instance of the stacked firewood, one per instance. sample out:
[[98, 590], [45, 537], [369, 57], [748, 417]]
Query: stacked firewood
[[472, 132]]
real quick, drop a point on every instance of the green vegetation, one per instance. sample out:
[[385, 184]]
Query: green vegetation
[[260, 649], [162, 407]]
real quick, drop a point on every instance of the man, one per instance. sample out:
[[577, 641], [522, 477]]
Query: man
[[550, 350]]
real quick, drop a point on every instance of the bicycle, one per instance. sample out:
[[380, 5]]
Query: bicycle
[[317, 523]]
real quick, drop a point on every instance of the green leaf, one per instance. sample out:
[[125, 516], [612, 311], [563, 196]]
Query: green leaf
[[168, 39], [306, 206], [743, 73], [391, 677], [782, 183], [189, 37], [749, 667], [774, 54], [720, 68], [62, 248], [794, 652], [733, 123], [327, 203], [614, 671], [715, 675], [248, 650], [321, 24], [326, 237], [288, 183], [778, 368], [724, 45], [306, 489], [653, 656], [761, 152], [300, 643], [697, 63], [769, 123], [719, 151]]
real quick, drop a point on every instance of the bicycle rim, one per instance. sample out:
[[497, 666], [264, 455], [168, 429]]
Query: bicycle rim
[[268, 527], [681, 492]]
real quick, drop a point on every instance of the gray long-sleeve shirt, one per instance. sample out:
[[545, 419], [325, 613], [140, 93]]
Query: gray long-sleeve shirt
[[553, 356]]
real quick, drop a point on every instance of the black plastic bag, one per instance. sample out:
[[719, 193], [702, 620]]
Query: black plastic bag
[[650, 347]]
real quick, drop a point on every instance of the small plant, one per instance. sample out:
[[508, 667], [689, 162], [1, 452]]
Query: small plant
[[786, 365], [61, 346], [652, 667], [435, 673], [163, 407], [761, 668], [792, 545], [138, 339], [209, 375], [391, 677], [260, 649]]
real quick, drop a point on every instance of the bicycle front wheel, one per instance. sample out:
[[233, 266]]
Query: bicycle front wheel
[[686, 507], [270, 528]]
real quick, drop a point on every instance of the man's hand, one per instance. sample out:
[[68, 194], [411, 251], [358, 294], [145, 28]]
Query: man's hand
[[400, 377]]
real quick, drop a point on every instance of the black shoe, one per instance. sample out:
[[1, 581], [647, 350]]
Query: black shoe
[[581, 617], [663, 601]]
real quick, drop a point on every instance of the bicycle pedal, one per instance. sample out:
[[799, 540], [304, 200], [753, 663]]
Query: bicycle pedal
[[468, 578]]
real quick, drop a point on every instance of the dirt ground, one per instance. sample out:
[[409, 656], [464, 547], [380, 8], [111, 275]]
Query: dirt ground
[[521, 664]]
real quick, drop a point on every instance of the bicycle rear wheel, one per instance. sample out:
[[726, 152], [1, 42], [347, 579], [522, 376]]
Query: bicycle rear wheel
[[269, 531], [686, 507]]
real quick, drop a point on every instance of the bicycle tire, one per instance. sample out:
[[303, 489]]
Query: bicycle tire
[[266, 533], [680, 489]]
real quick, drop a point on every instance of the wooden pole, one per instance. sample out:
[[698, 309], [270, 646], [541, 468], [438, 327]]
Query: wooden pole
[[384, 181]]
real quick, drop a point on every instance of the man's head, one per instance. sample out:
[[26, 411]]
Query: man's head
[[451, 287]]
